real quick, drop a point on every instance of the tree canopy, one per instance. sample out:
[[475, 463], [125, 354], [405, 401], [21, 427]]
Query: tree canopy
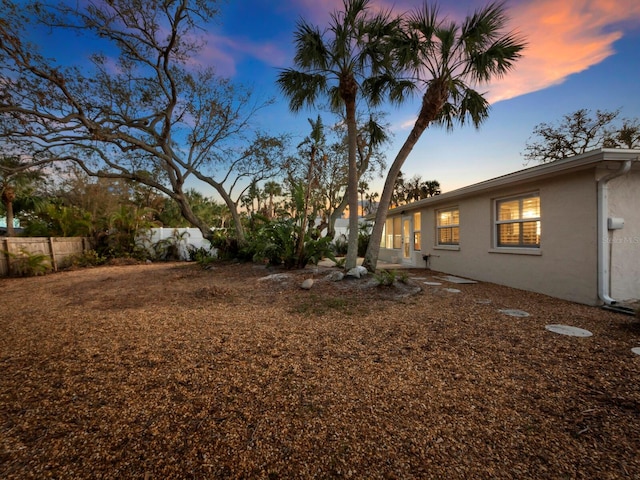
[[447, 61], [581, 131], [145, 112], [341, 65]]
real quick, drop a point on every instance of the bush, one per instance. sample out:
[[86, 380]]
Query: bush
[[88, 258], [385, 278], [227, 246], [340, 246], [202, 256], [276, 243], [27, 264], [364, 235]]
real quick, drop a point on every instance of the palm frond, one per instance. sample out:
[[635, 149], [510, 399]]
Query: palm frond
[[311, 51], [301, 88], [496, 60]]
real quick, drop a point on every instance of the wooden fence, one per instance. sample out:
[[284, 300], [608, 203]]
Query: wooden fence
[[58, 249]]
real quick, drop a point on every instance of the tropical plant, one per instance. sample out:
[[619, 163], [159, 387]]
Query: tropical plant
[[88, 258], [201, 255], [66, 221], [447, 60], [170, 248], [127, 233], [28, 264], [272, 189], [336, 64]]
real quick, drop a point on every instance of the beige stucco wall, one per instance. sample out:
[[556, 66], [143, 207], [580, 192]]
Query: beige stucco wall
[[565, 265], [624, 244]]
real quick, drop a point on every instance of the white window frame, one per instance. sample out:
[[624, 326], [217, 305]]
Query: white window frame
[[417, 231], [523, 247], [448, 245]]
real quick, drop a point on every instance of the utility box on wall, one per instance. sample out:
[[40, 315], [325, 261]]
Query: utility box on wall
[[615, 223]]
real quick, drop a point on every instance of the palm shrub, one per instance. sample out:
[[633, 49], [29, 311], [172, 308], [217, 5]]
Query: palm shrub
[[364, 235], [169, 249], [276, 243], [127, 232], [28, 264]]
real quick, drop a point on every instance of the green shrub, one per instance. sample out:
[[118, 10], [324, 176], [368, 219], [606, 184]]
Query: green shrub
[[88, 258], [227, 246], [275, 243], [385, 277], [202, 256], [27, 264], [340, 246]]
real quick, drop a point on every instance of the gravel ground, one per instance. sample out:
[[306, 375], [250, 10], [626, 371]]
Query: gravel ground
[[170, 371]]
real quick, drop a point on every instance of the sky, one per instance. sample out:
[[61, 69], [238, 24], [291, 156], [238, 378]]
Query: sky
[[580, 54]]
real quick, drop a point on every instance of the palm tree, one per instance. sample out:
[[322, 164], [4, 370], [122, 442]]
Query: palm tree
[[337, 67], [316, 144], [272, 189], [363, 186], [448, 60]]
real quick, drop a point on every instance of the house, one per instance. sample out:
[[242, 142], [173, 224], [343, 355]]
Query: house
[[569, 229]]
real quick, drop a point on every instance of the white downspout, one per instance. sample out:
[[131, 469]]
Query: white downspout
[[603, 233]]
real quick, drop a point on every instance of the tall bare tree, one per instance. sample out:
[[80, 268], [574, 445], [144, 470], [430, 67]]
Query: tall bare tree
[[145, 112]]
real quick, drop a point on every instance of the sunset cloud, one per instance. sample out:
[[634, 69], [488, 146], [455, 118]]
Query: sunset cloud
[[563, 38], [225, 52]]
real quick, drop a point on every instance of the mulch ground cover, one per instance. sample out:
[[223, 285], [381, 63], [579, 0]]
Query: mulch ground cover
[[170, 371]]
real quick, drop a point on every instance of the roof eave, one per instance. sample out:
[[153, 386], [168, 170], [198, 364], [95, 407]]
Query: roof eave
[[571, 164]]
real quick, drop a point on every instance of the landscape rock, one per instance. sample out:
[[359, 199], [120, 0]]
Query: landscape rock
[[278, 277], [335, 276], [307, 284], [357, 272]]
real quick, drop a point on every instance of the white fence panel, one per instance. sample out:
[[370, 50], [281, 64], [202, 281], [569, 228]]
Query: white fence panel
[[184, 238]]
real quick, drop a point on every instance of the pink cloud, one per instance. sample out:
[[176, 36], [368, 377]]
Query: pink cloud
[[564, 38], [225, 52]]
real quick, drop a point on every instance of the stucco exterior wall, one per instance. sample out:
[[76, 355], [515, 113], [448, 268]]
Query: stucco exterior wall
[[565, 265], [624, 244]]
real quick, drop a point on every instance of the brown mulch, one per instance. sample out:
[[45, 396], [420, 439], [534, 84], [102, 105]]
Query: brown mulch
[[170, 371]]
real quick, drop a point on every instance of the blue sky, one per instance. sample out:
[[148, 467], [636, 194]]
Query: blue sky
[[581, 54]]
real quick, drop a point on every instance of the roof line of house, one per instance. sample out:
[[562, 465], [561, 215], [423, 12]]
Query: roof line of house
[[576, 163]]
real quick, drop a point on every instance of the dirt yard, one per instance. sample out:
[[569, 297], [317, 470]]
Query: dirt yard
[[169, 371]]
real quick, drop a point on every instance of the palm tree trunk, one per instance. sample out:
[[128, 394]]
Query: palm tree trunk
[[303, 226], [352, 185], [432, 103], [9, 210]]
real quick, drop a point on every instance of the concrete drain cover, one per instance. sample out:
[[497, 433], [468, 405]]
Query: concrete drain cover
[[636, 350], [454, 279], [515, 313], [452, 290], [567, 330], [432, 283]]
